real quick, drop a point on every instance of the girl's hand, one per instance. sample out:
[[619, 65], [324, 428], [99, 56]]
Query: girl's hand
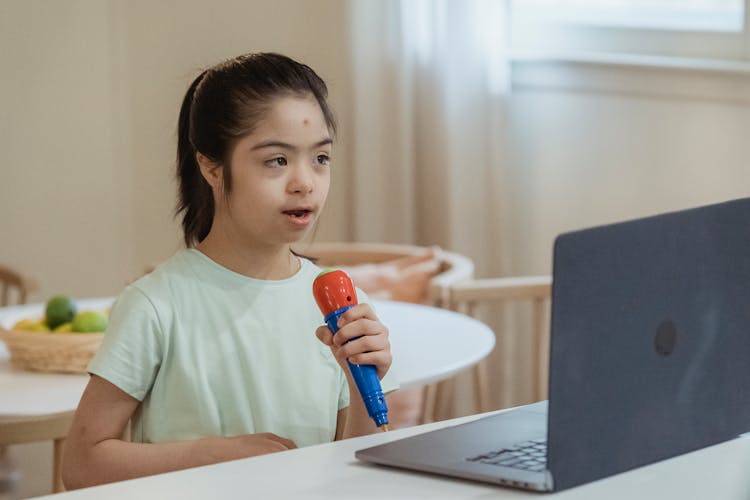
[[250, 445], [370, 345]]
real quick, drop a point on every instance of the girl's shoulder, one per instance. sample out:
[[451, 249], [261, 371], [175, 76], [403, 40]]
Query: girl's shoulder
[[175, 284], [172, 268], [176, 273]]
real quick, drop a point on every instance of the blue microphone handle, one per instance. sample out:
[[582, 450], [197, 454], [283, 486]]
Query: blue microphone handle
[[365, 377]]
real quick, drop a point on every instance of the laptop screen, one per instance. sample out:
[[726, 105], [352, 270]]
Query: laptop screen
[[650, 344]]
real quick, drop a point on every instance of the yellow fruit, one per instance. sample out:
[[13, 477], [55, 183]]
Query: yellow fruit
[[65, 327], [89, 322], [41, 326], [31, 325], [60, 309], [24, 324]]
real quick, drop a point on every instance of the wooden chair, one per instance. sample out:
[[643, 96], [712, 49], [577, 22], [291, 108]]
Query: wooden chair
[[14, 283], [451, 267], [20, 430], [467, 295], [27, 429], [412, 405]]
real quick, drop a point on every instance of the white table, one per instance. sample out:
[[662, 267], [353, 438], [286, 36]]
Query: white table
[[331, 471], [431, 344], [27, 393], [428, 345]]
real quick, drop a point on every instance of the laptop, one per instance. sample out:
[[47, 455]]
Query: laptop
[[649, 358]]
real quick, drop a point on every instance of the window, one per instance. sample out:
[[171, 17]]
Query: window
[[712, 29], [700, 15]]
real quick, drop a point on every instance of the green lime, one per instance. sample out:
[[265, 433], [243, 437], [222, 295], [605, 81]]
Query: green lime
[[89, 322], [60, 309]]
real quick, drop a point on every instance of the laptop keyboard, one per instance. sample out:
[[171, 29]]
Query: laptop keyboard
[[529, 455]]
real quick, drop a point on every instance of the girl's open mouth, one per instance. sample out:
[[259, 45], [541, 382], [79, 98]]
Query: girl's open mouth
[[301, 217], [297, 213]]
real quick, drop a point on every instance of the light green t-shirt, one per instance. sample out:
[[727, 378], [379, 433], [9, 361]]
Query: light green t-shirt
[[210, 352]]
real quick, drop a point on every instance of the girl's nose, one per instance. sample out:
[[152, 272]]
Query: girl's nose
[[301, 181]]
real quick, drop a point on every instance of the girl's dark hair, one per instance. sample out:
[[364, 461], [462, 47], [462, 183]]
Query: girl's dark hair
[[222, 105]]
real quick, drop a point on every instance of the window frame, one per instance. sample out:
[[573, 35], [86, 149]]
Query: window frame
[[569, 38]]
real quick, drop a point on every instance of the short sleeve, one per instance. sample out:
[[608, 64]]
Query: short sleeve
[[343, 393], [132, 348], [389, 382]]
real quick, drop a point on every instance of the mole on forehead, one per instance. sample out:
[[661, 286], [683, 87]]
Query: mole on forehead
[[305, 121]]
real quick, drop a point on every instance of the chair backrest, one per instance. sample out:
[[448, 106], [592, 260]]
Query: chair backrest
[[452, 268], [467, 295], [13, 281], [28, 429], [24, 429]]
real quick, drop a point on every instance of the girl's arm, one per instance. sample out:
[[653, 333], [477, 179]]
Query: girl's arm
[[369, 347], [95, 452]]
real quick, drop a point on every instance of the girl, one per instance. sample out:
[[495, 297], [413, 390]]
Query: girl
[[212, 356]]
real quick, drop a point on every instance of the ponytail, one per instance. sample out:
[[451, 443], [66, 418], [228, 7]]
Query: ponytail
[[195, 200]]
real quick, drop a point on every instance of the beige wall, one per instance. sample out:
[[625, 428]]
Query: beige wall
[[584, 157], [171, 41], [64, 215], [90, 95], [90, 92], [595, 146]]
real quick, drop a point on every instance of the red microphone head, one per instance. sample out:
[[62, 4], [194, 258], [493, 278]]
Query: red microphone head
[[333, 289]]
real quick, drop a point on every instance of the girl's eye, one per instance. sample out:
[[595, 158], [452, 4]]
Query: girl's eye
[[323, 159], [279, 161]]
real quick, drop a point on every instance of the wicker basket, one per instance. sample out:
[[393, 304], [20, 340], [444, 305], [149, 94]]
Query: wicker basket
[[51, 352]]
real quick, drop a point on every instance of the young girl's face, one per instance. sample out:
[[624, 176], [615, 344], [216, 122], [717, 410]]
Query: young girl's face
[[280, 174]]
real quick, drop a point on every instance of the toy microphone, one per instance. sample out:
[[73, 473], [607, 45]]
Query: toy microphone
[[334, 292]]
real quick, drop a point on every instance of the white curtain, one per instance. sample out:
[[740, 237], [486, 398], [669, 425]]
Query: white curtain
[[429, 144], [430, 83]]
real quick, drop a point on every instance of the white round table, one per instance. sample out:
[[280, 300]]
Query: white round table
[[28, 393], [428, 345]]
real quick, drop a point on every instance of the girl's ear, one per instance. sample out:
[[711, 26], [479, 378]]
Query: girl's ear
[[210, 170]]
